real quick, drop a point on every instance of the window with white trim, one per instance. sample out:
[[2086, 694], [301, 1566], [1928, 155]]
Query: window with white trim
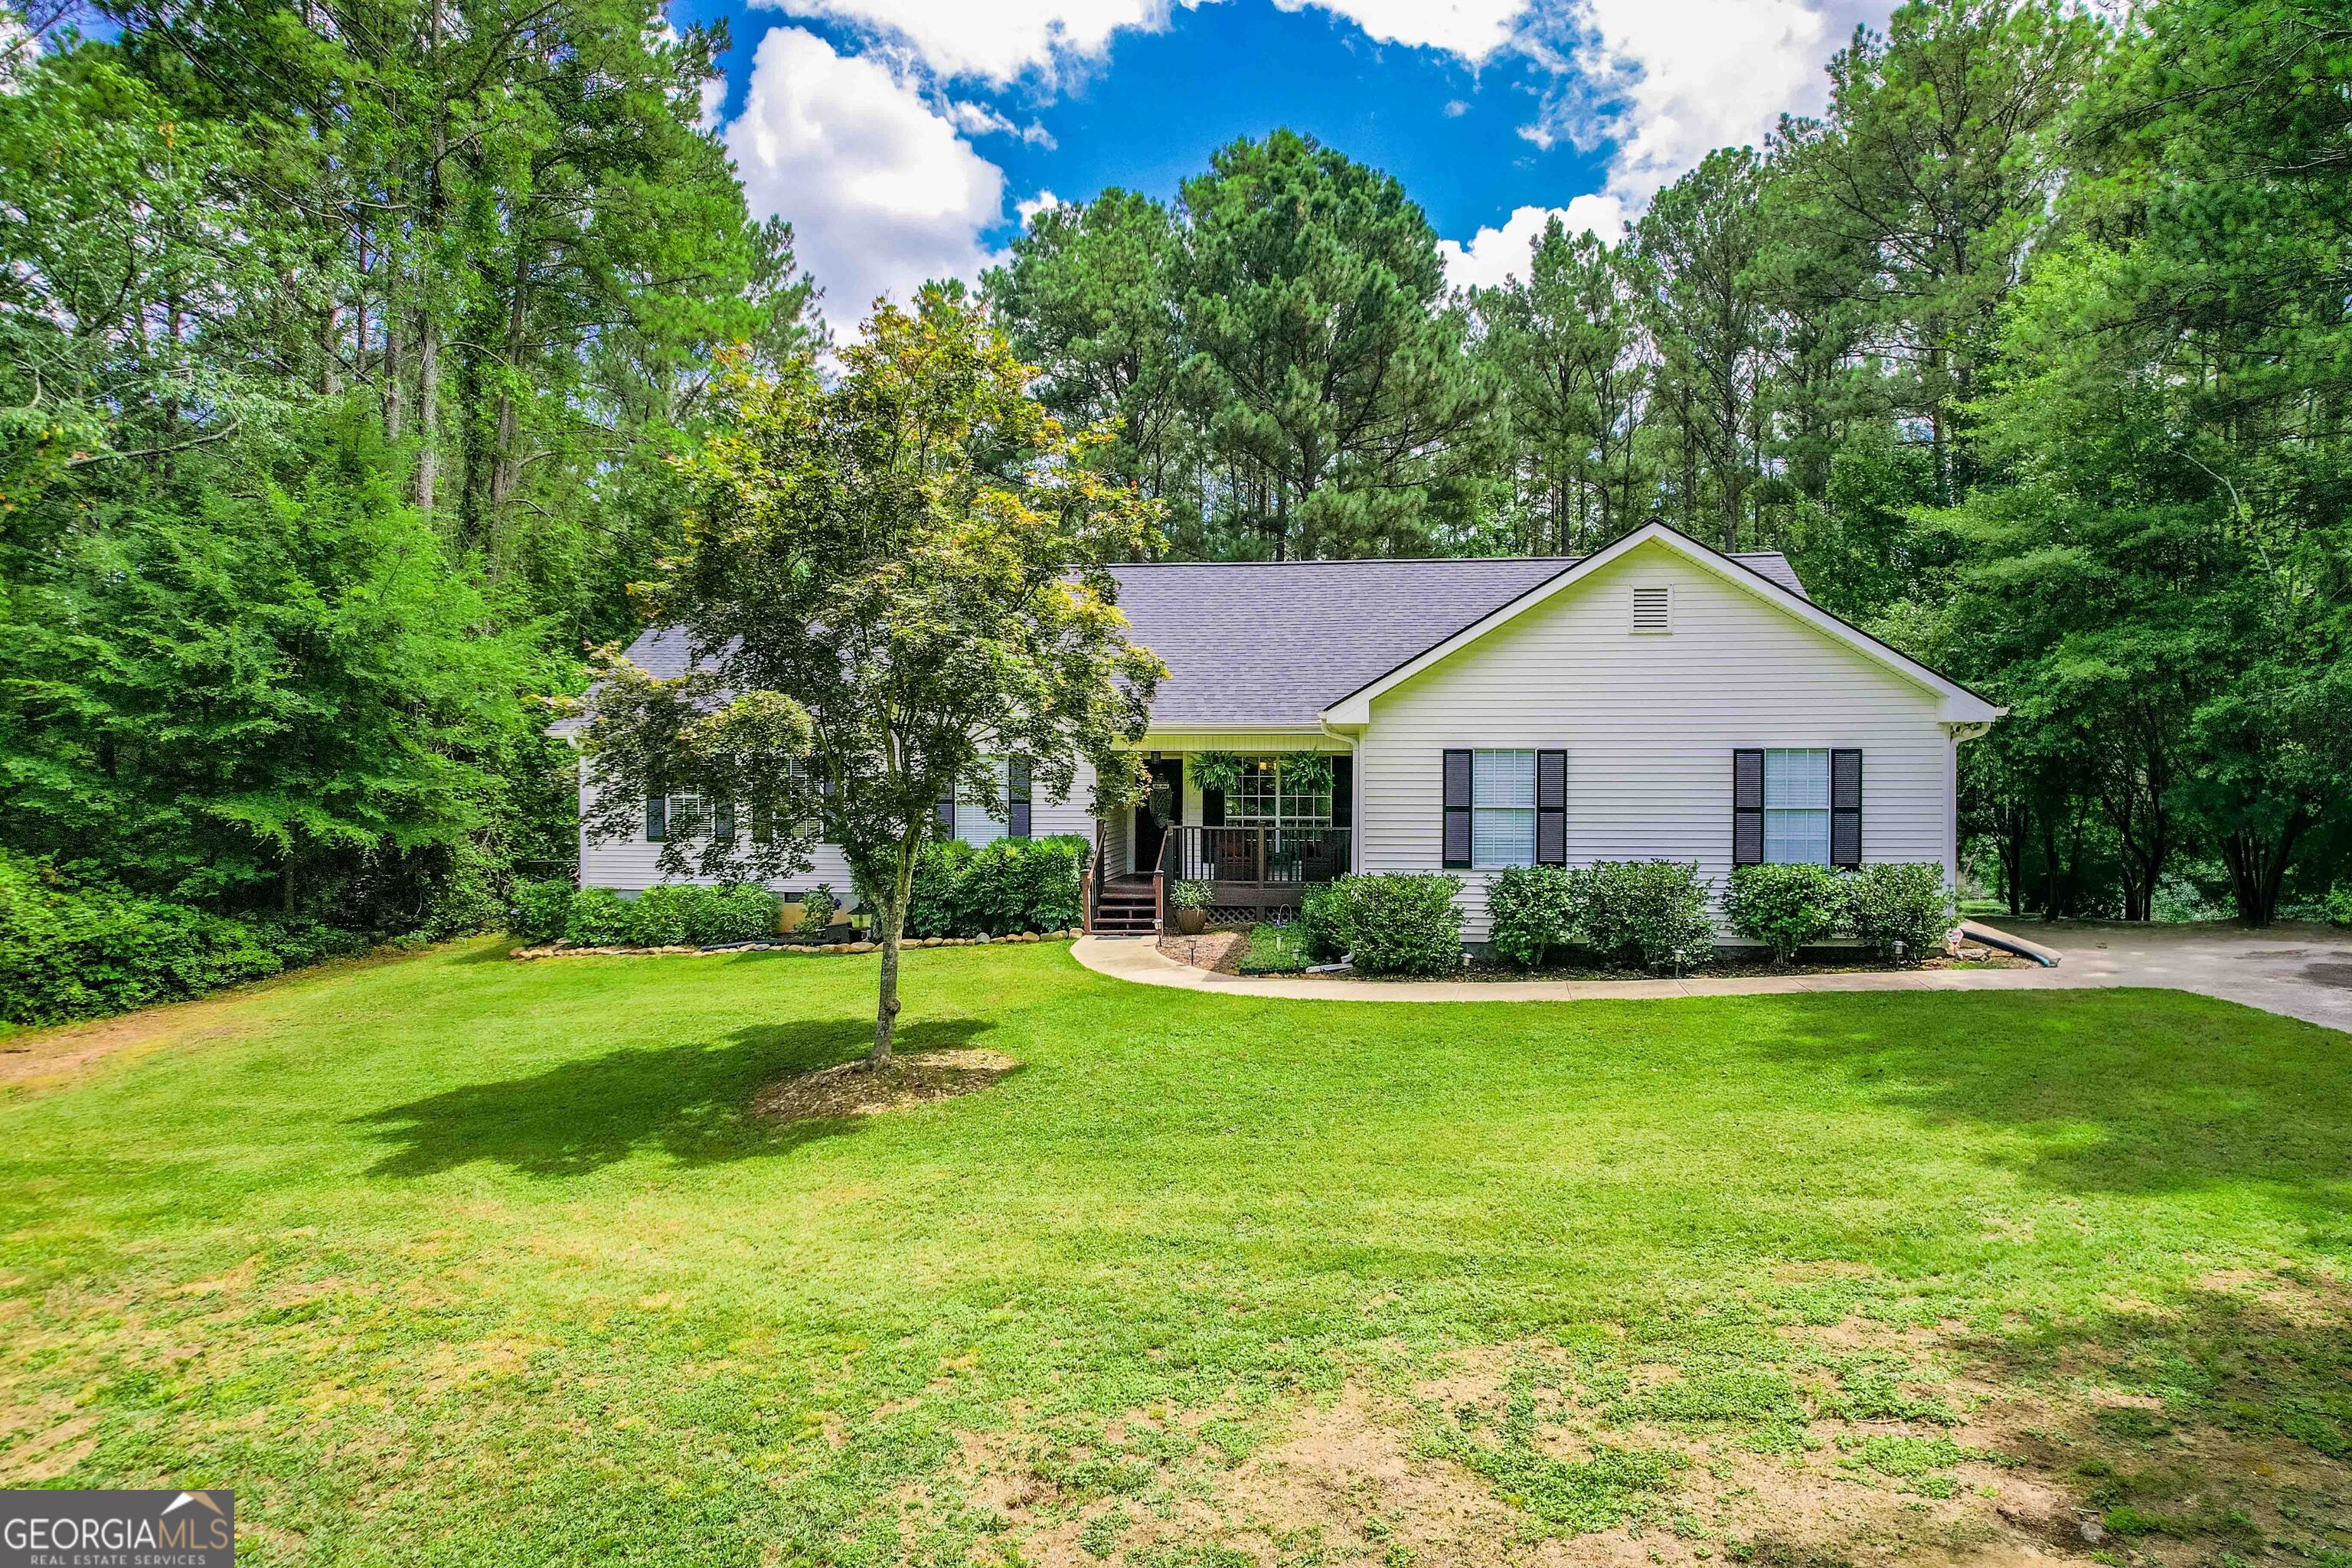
[[1797, 807], [1503, 808], [1269, 795]]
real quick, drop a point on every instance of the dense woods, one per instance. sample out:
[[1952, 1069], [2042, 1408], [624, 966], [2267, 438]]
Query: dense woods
[[343, 347]]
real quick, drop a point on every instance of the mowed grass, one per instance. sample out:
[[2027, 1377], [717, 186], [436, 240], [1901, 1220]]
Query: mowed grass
[[460, 1259]]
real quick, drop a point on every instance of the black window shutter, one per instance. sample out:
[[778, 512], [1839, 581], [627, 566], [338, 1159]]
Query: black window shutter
[[1845, 808], [722, 822], [1016, 796], [947, 814], [1457, 808], [1343, 792], [656, 815], [1551, 808], [1747, 808], [1212, 807]]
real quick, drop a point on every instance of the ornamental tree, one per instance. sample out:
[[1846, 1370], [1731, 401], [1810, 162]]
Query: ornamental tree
[[888, 581]]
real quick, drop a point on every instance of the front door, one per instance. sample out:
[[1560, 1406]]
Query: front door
[[1167, 777]]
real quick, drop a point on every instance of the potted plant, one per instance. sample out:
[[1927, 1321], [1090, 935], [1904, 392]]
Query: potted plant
[[1191, 903]]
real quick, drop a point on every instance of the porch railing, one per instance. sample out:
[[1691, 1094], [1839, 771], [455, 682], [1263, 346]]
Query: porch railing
[[1272, 859]]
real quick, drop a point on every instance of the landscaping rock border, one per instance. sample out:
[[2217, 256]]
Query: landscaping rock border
[[562, 950]]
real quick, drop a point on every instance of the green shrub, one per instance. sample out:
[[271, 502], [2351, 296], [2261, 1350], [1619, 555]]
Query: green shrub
[[540, 911], [659, 917], [73, 950], [732, 911], [1054, 899], [931, 908], [1006, 886], [1405, 923], [1325, 922], [1786, 907], [817, 907], [1190, 896], [1531, 910], [2338, 905], [1900, 905], [1652, 910], [599, 917]]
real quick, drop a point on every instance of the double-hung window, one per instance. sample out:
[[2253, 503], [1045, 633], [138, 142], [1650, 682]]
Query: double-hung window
[[1503, 808], [1797, 807]]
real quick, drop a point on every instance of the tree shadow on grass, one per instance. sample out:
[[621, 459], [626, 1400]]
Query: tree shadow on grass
[[690, 1101], [2130, 1091], [2232, 1400]]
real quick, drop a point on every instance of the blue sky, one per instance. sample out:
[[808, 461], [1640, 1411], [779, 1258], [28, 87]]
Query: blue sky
[[905, 138]]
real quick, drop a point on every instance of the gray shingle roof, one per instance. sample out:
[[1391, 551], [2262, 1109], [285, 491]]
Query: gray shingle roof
[[1275, 642]]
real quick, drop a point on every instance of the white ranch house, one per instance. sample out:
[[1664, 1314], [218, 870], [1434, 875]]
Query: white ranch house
[[1655, 700]]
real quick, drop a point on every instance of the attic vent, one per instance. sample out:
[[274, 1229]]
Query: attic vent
[[1654, 610]]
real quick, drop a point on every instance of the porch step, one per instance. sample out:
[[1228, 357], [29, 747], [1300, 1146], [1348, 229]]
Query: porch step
[[1126, 907]]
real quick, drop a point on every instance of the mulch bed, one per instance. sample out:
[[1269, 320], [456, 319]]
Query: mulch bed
[[916, 1078], [1220, 951]]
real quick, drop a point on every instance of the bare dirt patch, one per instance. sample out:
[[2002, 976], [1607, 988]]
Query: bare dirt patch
[[1915, 1445], [1214, 950], [916, 1078]]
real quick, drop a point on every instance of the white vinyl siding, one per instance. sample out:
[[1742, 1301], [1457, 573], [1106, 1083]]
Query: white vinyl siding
[[628, 865], [1797, 807], [1649, 724], [1502, 809]]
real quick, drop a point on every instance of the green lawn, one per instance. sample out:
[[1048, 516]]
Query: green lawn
[[457, 1260]]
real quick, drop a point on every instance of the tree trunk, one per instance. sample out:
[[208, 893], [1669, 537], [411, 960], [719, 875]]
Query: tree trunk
[[891, 916], [429, 323], [2258, 867]]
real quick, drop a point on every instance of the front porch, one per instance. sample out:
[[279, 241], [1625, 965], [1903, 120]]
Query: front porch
[[1257, 820], [1251, 872]]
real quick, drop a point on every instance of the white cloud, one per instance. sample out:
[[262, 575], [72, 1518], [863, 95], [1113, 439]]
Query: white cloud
[[985, 120], [992, 40], [999, 40], [714, 103], [881, 190], [1035, 205], [1493, 255], [1470, 28], [1665, 81]]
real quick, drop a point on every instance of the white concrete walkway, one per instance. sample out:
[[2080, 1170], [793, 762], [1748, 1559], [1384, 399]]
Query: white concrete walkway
[[2302, 971]]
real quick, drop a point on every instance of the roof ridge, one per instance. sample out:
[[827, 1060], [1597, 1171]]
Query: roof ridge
[[1417, 560]]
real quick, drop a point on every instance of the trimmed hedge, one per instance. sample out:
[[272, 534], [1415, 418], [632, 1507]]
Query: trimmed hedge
[[1530, 909], [1005, 886], [1786, 907], [1397, 923], [71, 949], [1902, 910], [673, 914], [1325, 924], [1903, 905], [1654, 910]]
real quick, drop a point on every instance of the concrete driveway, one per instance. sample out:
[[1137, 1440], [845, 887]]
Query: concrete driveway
[[2303, 971]]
